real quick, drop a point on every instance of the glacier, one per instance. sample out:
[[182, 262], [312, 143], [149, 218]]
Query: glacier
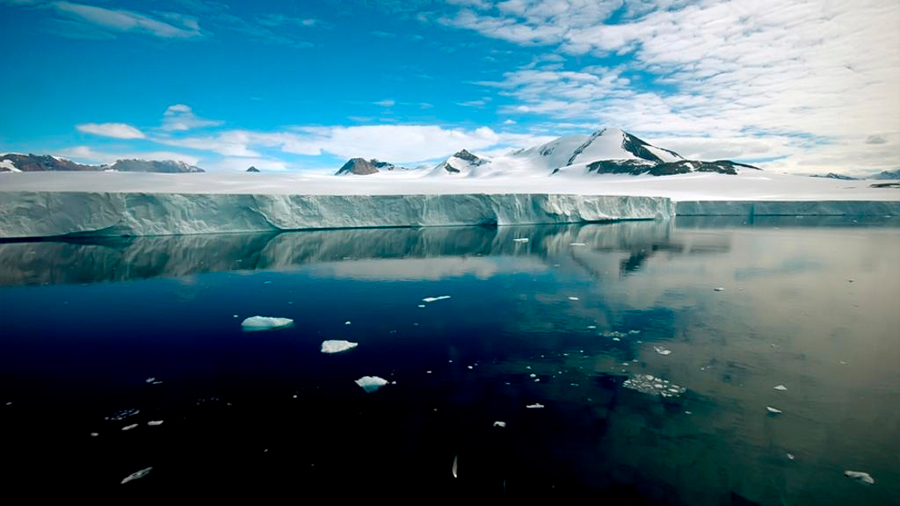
[[48, 214]]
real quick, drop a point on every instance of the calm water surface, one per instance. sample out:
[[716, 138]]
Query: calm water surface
[[572, 320]]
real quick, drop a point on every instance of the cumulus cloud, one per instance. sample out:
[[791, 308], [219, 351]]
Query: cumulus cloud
[[180, 118], [114, 130]]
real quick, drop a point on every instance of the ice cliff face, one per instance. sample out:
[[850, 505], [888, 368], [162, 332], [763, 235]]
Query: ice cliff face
[[46, 214]]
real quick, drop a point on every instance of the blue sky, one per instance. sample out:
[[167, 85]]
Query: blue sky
[[801, 87]]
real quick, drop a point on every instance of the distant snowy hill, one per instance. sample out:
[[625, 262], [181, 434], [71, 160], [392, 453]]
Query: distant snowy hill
[[834, 175], [888, 174], [12, 162], [607, 151], [363, 167]]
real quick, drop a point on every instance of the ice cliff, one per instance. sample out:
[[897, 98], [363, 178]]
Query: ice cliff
[[26, 214]]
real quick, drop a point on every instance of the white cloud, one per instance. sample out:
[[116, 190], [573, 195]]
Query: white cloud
[[166, 25], [180, 118], [385, 103], [743, 72], [114, 130]]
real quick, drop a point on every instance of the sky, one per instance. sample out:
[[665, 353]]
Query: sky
[[792, 86]]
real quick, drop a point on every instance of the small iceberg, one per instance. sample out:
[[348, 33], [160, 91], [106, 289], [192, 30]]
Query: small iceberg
[[860, 477], [576, 244], [536, 405], [520, 239], [149, 380], [662, 351], [155, 423], [337, 346], [259, 323], [719, 289], [573, 298], [499, 424], [137, 475], [129, 427], [435, 299], [774, 411], [781, 388], [371, 383]]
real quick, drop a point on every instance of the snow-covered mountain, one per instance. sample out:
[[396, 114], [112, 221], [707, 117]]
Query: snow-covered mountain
[[363, 167], [12, 162], [607, 151]]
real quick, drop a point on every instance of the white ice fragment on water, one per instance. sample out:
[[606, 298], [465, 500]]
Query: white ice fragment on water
[[149, 380], [616, 339], [455, 461], [591, 327], [95, 434], [469, 367], [129, 427], [154, 423], [532, 375], [157, 383], [259, 323], [347, 322], [427, 372], [688, 413], [790, 456], [520, 239], [576, 244], [421, 305], [234, 316], [860, 476], [648, 384], [337, 346], [781, 388], [774, 411], [435, 299], [536, 405], [371, 383], [499, 424], [719, 289], [634, 332], [137, 475], [662, 351], [573, 298]]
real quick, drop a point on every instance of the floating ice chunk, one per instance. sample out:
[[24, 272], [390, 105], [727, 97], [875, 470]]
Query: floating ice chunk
[[662, 351], [520, 239], [781, 388], [455, 461], [337, 346], [137, 475], [532, 375], [157, 383], [719, 289], [121, 415], [591, 327], [95, 434], [536, 405], [860, 476], [154, 423], [616, 339], [790, 456], [499, 424], [647, 384], [576, 244], [150, 380], [421, 305], [469, 367], [347, 322], [371, 383], [435, 299], [258, 323], [633, 332], [234, 316], [427, 372], [774, 411], [573, 298], [129, 427]]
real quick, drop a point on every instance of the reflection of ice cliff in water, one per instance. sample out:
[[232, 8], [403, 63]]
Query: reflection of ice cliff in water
[[171, 256]]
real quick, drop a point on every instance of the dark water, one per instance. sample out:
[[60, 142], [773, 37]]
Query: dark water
[[266, 414]]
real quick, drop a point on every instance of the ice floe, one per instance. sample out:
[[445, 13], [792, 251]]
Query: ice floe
[[149, 380], [155, 423], [860, 476], [121, 415], [520, 239], [371, 383], [774, 411], [648, 384], [337, 346], [137, 475], [258, 323], [573, 298], [129, 427], [536, 405], [435, 299], [719, 289], [499, 424], [781, 388], [662, 351], [576, 244]]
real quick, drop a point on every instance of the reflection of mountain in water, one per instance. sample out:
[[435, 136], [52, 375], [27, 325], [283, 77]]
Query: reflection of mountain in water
[[173, 256]]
